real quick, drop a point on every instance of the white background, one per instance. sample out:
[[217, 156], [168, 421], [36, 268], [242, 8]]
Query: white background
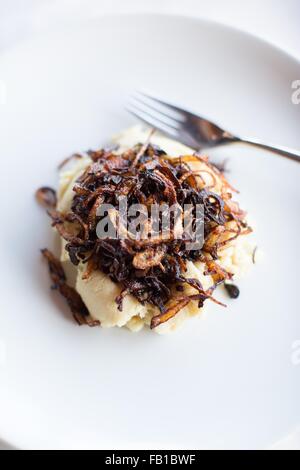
[[274, 20]]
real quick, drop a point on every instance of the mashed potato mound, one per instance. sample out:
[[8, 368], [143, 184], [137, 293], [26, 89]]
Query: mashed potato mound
[[98, 292]]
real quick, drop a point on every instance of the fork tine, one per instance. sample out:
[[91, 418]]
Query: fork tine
[[154, 113], [157, 106], [152, 122], [167, 106]]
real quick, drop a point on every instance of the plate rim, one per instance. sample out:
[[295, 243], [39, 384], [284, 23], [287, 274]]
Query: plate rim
[[82, 24]]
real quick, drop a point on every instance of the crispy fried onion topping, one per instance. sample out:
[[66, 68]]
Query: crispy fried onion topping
[[46, 197], [151, 269]]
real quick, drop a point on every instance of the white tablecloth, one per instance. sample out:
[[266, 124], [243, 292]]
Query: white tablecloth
[[274, 20]]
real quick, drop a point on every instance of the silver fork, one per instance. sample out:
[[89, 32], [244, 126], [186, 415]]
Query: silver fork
[[190, 129]]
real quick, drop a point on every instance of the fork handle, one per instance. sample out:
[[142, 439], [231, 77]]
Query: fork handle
[[284, 151]]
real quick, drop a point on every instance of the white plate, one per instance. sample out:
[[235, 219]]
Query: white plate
[[227, 381]]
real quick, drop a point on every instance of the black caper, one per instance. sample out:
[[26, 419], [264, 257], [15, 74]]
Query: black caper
[[233, 290]]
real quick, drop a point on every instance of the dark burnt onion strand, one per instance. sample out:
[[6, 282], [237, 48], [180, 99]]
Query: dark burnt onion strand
[[75, 302], [148, 269]]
